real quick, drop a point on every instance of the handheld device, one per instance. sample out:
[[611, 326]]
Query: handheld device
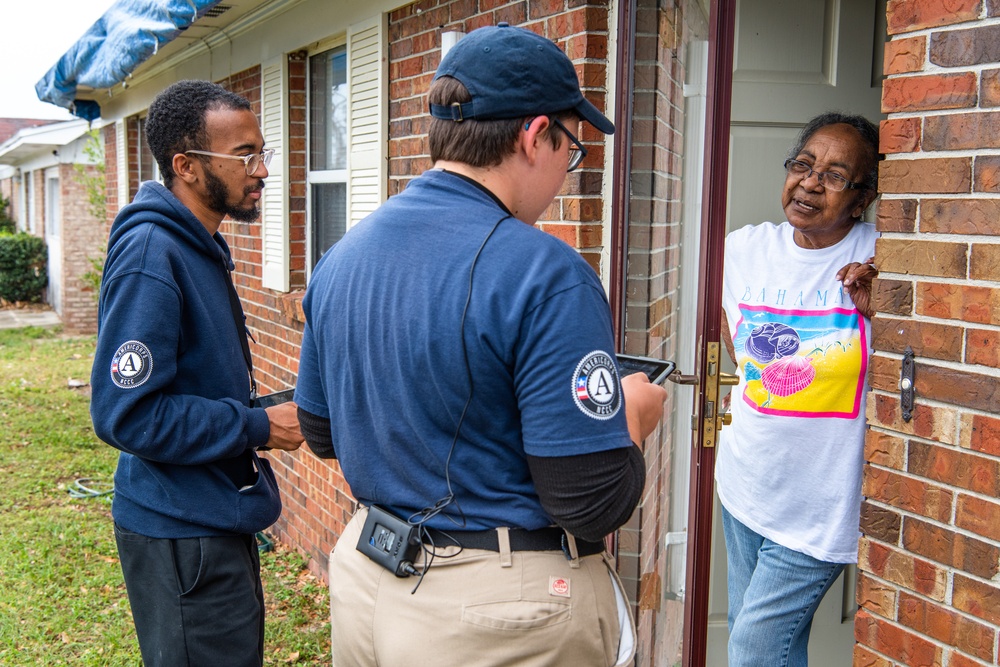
[[278, 397], [390, 541], [267, 400], [656, 370]]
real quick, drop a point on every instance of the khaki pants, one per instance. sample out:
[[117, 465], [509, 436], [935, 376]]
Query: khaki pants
[[520, 609]]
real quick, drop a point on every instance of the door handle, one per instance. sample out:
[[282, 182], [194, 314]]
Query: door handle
[[677, 378], [712, 395]]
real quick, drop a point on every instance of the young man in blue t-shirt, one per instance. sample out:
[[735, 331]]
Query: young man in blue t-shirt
[[460, 365]]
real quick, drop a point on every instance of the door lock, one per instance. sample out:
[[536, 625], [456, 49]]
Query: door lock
[[711, 421]]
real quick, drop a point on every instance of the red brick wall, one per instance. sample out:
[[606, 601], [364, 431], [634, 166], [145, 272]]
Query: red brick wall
[[579, 28], [83, 238], [929, 580], [111, 173]]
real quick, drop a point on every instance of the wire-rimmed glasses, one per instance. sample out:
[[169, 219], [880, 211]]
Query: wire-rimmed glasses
[[251, 162]]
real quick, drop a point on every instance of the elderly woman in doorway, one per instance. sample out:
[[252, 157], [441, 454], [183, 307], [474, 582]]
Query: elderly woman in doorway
[[797, 301]]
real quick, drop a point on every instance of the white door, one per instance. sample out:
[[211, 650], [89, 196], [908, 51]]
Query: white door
[[53, 237], [794, 59]]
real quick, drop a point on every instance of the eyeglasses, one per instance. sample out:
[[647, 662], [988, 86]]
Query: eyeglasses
[[251, 162], [828, 179], [576, 154]]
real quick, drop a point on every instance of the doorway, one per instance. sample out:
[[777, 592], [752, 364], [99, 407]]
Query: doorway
[[790, 60]]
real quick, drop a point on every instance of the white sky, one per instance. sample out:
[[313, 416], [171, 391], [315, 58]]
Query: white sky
[[36, 33]]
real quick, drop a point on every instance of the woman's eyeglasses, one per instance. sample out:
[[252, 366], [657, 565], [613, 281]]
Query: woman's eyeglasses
[[828, 179]]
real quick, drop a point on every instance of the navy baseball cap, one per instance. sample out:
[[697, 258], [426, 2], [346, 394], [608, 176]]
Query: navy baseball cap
[[514, 73]]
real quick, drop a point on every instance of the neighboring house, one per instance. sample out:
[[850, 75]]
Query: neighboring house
[[707, 97], [41, 178], [10, 126]]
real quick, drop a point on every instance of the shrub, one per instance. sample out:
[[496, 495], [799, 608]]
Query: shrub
[[22, 267]]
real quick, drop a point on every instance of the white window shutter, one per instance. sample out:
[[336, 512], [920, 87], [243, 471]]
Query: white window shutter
[[121, 152], [274, 206], [367, 81]]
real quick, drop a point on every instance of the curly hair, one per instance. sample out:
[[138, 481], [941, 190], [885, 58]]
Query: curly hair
[[864, 127], [176, 120]]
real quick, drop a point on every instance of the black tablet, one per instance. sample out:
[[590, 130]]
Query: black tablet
[[656, 370], [267, 400]]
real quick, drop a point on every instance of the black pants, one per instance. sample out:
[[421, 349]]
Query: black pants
[[195, 601]]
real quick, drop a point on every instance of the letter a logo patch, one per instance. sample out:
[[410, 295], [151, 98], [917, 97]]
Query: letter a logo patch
[[595, 386], [131, 365]]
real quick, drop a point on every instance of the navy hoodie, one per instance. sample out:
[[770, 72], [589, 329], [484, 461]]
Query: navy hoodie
[[170, 385]]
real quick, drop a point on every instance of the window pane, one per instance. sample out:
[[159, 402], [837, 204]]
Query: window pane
[[328, 110], [329, 216]]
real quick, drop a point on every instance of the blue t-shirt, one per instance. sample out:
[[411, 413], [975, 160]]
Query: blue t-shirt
[[382, 355]]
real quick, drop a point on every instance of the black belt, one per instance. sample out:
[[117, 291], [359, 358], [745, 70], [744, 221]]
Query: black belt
[[542, 539]]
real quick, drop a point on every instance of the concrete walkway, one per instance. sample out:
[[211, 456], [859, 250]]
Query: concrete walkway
[[17, 318]]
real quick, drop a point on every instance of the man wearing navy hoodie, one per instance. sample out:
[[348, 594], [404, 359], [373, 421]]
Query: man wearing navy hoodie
[[172, 384]]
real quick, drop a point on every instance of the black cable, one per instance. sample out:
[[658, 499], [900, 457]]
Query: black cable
[[420, 518]]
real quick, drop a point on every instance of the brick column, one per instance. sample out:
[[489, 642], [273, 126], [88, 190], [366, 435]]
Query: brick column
[[930, 552]]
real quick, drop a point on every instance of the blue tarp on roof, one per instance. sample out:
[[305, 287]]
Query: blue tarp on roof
[[125, 37]]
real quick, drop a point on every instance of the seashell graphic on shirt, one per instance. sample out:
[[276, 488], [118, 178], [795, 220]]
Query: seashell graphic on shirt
[[772, 341], [788, 375]]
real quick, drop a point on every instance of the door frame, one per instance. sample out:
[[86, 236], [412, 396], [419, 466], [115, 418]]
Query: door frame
[[721, 48], [52, 231]]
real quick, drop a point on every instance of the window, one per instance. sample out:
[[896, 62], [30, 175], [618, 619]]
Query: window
[[345, 172], [327, 176]]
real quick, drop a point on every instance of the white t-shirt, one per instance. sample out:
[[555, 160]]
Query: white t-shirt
[[789, 466]]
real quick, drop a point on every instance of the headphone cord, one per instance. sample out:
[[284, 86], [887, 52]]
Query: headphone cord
[[420, 518]]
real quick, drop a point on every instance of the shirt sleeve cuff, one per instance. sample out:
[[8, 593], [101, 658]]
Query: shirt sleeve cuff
[[258, 428]]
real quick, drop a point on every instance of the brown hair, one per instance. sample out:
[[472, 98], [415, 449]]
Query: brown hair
[[477, 143]]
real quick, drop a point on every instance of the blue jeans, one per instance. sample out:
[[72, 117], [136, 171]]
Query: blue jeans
[[773, 594]]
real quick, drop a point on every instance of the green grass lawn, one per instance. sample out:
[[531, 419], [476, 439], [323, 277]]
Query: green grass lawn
[[62, 598]]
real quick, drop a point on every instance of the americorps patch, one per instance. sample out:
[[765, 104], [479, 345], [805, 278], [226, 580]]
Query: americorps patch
[[131, 365], [596, 389]]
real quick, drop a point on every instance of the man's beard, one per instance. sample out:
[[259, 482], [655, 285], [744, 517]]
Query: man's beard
[[218, 198]]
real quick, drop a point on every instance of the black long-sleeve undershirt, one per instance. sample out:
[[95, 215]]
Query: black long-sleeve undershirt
[[316, 431], [590, 495]]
